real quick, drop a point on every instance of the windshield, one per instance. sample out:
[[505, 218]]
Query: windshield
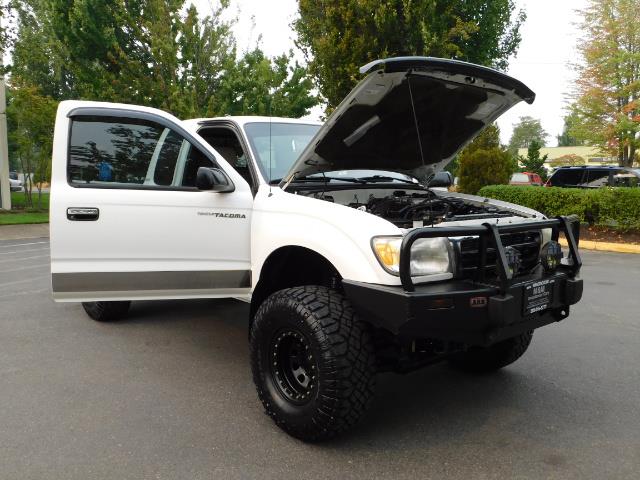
[[277, 145]]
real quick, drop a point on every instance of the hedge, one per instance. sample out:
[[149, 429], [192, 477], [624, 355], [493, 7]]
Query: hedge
[[611, 207]]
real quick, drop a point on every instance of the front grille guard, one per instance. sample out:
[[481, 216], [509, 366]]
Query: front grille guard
[[489, 234]]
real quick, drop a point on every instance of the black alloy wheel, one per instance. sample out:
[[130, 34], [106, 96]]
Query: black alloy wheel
[[294, 368]]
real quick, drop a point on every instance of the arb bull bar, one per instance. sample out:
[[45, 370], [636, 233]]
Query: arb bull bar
[[489, 235], [479, 310]]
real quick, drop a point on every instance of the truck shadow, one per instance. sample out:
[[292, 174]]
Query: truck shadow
[[429, 408]]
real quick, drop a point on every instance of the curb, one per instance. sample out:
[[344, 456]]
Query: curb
[[605, 246]]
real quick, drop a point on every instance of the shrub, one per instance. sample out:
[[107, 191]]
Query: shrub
[[483, 167], [611, 207]]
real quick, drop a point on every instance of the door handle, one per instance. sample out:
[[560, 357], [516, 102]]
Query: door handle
[[83, 214]]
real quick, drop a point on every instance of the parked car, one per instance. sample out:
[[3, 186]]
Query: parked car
[[526, 178], [351, 263], [594, 177], [13, 175], [15, 185]]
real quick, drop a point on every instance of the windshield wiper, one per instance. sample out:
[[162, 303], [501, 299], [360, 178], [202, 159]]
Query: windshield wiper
[[325, 178], [382, 178]]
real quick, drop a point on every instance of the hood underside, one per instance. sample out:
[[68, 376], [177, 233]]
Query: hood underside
[[410, 115]]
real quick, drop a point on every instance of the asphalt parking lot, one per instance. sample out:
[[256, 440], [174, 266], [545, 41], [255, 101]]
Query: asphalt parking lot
[[167, 394]]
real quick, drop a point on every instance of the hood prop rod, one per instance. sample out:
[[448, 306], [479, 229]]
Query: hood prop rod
[[415, 122], [415, 118]]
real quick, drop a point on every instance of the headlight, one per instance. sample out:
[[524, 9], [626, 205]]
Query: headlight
[[429, 256]]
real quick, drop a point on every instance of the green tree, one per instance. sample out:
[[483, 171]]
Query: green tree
[[260, 85], [566, 139], [488, 138], [146, 52], [533, 162], [339, 37], [526, 131], [154, 53], [607, 91], [482, 167], [30, 119], [37, 57]]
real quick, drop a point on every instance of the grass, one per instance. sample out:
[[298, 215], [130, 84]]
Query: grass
[[18, 200], [21, 218], [20, 215]]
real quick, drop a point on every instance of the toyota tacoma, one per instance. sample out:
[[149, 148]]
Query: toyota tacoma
[[343, 238]]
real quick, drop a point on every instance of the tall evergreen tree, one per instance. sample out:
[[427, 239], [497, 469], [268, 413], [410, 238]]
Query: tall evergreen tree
[[339, 37], [525, 132]]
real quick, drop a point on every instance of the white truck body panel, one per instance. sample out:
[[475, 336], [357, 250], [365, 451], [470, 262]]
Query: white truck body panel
[[146, 231], [168, 244]]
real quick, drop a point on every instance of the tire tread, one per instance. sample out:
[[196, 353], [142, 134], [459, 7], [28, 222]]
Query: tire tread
[[348, 360]]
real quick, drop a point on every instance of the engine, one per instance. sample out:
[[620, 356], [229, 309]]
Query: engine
[[408, 210]]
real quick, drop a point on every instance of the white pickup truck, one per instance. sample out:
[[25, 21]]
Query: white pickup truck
[[352, 261]]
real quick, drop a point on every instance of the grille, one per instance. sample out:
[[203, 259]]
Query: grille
[[527, 243]]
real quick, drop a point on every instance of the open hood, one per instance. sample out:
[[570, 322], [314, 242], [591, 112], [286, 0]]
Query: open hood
[[409, 115]]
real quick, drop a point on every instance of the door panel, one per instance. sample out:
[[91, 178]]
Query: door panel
[[154, 235]]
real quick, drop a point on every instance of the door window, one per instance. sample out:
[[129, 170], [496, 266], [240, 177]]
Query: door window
[[167, 158], [227, 144], [129, 152], [597, 177]]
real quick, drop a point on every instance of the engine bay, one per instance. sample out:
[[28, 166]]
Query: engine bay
[[408, 208]]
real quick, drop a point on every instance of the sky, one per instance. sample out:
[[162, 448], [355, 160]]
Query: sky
[[543, 61]]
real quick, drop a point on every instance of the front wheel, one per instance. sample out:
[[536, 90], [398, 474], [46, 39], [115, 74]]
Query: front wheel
[[488, 359], [313, 362]]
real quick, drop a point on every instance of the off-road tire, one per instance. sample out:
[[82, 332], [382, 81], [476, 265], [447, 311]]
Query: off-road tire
[[489, 359], [341, 349], [106, 311]]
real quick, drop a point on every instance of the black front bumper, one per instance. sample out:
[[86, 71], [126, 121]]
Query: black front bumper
[[459, 311], [481, 311]]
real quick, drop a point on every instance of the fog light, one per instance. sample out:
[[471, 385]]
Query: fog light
[[514, 260], [551, 255]]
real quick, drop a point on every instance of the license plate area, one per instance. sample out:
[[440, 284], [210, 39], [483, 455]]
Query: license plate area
[[537, 296]]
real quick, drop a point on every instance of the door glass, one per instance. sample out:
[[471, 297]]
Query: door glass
[[122, 152], [226, 143], [566, 178], [167, 158], [597, 178], [195, 160]]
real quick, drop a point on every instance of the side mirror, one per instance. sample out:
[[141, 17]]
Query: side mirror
[[442, 179], [213, 179]]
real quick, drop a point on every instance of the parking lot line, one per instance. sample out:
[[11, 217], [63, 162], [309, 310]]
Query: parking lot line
[[21, 244], [22, 258], [25, 250], [26, 268], [24, 280], [29, 292]]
